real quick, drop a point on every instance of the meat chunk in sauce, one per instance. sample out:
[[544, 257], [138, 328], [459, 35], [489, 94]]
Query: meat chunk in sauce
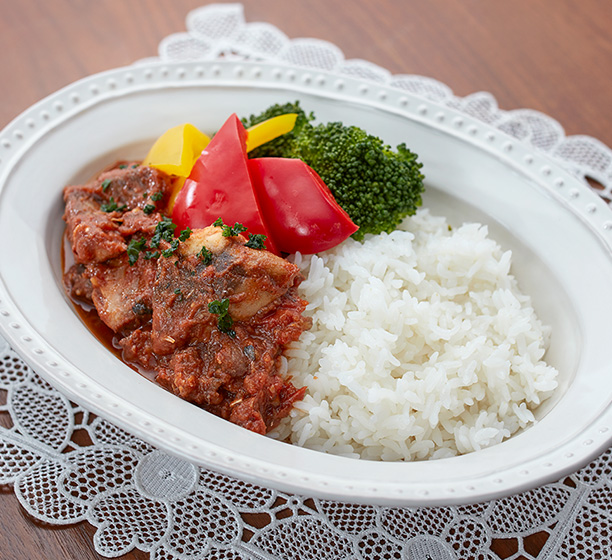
[[158, 304], [98, 233], [123, 294], [249, 278], [103, 217]]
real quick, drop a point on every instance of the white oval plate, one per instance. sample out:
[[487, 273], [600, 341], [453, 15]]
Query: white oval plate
[[560, 233]]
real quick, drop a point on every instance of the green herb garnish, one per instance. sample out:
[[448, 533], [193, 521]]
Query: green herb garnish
[[256, 241], [225, 321], [111, 206], [170, 251], [105, 184], [149, 208], [229, 231], [184, 235], [152, 255], [157, 196], [133, 249], [163, 230], [122, 166], [205, 255]]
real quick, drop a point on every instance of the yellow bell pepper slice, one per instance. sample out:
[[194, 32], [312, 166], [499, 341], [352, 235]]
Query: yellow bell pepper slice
[[269, 130], [176, 150]]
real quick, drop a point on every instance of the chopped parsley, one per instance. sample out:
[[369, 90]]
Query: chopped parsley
[[134, 166], [157, 196], [105, 184], [236, 229], [122, 166], [185, 234], [152, 255], [163, 230], [111, 206], [173, 247], [229, 231], [225, 321], [205, 255], [133, 249], [177, 291], [256, 241], [149, 208]]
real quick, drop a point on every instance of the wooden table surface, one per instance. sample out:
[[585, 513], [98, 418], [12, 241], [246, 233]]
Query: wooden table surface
[[554, 56]]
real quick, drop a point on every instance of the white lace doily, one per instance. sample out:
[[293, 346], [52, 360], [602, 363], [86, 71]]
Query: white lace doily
[[67, 466]]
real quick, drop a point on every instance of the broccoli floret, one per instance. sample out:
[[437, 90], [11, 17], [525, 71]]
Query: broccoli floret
[[375, 185]]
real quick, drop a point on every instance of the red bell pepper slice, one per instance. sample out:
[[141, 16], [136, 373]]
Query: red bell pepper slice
[[298, 207], [219, 186]]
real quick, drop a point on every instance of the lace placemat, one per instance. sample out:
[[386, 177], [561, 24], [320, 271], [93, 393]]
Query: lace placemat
[[67, 466]]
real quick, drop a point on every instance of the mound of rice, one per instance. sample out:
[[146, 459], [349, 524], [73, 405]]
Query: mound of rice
[[422, 346]]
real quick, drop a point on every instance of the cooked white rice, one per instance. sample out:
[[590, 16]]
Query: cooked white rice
[[422, 346]]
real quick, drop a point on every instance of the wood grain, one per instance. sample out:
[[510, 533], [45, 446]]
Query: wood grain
[[554, 56]]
